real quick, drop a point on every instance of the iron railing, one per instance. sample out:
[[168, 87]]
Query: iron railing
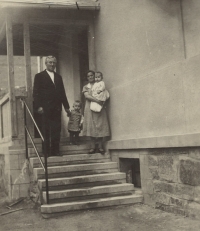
[[26, 131]]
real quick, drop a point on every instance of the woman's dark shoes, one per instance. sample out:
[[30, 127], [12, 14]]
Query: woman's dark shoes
[[59, 154], [74, 143], [56, 154], [100, 150], [92, 151]]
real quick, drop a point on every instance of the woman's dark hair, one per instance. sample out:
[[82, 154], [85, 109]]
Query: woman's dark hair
[[91, 72]]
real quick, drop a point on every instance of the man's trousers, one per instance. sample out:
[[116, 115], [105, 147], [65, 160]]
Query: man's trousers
[[51, 128]]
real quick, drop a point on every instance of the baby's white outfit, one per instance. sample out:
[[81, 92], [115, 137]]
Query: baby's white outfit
[[103, 96]]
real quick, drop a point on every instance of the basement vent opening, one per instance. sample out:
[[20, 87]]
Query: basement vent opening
[[131, 166]]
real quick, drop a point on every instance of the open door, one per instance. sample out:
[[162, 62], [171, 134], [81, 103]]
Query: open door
[[72, 55]]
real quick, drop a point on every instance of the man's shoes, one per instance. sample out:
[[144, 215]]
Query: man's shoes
[[100, 150], [58, 154], [51, 155], [74, 143], [55, 154], [92, 151]]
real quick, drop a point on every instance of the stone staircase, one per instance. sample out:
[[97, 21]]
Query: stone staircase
[[79, 181]]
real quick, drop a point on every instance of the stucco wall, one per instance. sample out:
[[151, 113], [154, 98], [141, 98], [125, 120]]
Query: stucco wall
[[148, 52]]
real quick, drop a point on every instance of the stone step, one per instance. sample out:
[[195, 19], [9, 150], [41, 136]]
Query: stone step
[[66, 147], [87, 184], [50, 210], [71, 159], [80, 173], [83, 181], [64, 150], [88, 193], [76, 162], [37, 141], [64, 153], [90, 197], [63, 140], [138, 191], [79, 169], [17, 151]]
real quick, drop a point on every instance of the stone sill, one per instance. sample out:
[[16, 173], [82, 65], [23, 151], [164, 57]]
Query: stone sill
[[186, 140]]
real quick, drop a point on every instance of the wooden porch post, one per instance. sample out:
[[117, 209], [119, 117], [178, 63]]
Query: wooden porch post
[[27, 56], [3, 32], [11, 81], [91, 47]]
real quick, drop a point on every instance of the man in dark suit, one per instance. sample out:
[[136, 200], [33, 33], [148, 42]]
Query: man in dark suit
[[49, 96]]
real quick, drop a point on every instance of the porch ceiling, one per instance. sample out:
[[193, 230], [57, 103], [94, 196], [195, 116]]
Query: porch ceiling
[[46, 26], [80, 4], [44, 39]]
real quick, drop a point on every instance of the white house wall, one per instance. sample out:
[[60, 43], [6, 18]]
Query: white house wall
[[148, 51]]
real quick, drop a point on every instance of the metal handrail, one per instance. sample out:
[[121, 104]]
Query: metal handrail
[[33, 119], [40, 159], [26, 131]]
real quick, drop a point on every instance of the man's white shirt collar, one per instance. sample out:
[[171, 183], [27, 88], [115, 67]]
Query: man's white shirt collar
[[51, 74]]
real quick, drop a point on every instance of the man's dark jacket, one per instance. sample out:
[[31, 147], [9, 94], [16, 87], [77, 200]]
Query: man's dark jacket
[[48, 95]]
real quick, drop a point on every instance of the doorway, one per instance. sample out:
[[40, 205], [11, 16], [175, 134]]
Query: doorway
[[72, 65]]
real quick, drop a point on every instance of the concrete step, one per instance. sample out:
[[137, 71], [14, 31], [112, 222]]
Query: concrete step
[[37, 141], [64, 150], [87, 184], [17, 151], [71, 159], [83, 181], [63, 140], [69, 147], [88, 193], [75, 170], [50, 210], [138, 191]]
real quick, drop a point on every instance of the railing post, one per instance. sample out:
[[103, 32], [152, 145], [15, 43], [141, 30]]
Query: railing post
[[11, 79], [25, 133], [45, 158]]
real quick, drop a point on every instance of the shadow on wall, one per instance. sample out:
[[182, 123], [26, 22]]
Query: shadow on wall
[[168, 6]]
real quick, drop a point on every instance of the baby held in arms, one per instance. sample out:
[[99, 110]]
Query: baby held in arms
[[99, 92]]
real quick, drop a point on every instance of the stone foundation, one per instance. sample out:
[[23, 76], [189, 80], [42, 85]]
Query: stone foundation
[[20, 174], [3, 188], [170, 177], [15, 174]]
